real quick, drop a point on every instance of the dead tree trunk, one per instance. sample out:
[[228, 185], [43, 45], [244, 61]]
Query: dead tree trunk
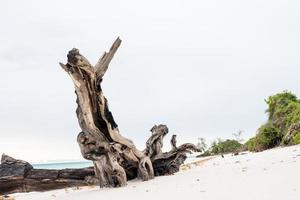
[[115, 157], [20, 176]]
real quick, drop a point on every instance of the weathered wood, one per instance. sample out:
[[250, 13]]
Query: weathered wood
[[115, 158], [13, 167], [167, 162], [20, 176]]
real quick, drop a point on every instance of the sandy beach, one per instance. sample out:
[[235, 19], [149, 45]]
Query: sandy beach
[[117, 100], [270, 175]]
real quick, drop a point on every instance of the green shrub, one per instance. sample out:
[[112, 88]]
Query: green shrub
[[268, 137], [279, 101], [283, 117], [296, 138], [251, 144], [293, 113], [283, 111], [227, 146]]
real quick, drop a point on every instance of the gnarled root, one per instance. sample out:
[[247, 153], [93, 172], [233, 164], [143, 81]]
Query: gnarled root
[[168, 162], [145, 169], [109, 172]]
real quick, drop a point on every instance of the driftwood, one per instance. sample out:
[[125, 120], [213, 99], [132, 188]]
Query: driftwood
[[115, 158], [20, 176], [168, 162]]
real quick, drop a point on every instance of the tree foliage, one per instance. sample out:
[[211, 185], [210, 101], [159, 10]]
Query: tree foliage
[[283, 112], [296, 138], [226, 146]]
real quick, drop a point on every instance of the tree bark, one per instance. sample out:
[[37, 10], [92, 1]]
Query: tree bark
[[168, 162], [115, 158], [20, 176]]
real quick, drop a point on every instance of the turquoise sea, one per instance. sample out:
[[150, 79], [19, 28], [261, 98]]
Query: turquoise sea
[[79, 164], [63, 165]]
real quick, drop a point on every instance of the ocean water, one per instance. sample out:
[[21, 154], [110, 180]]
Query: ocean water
[[63, 165], [80, 164], [190, 158]]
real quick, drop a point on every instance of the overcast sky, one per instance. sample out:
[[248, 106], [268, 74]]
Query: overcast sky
[[203, 68]]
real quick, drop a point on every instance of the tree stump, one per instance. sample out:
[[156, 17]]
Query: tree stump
[[115, 158]]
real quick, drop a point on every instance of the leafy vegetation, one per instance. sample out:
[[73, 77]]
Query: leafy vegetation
[[281, 128], [283, 112], [250, 144], [226, 146], [219, 146], [296, 139], [269, 136]]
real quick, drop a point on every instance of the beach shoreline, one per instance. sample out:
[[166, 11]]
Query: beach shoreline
[[271, 174]]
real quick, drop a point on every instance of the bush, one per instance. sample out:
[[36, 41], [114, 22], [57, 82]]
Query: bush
[[227, 146], [251, 144], [293, 113], [279, 101], [296, 138], [283, 121], [283, 112], [268, 137]]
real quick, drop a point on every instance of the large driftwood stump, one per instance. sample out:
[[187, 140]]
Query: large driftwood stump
[[115, 158]]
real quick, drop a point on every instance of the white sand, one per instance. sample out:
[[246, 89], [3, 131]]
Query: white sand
[[269, 175]]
